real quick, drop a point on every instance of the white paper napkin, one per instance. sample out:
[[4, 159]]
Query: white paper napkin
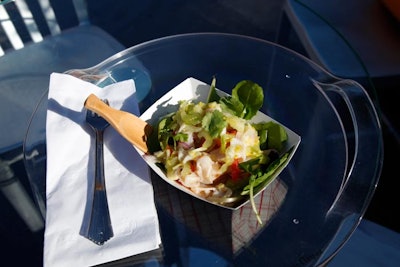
[[129, 190]]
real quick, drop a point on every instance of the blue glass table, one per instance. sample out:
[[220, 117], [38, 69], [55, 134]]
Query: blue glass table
[[315, 204]]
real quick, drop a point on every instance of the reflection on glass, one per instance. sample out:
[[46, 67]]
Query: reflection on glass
[[228, 231]]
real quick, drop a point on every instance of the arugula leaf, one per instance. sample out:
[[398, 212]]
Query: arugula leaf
[[272, 135], [246, 99], [251, 95], [165, 132], [232, 105], [276, 136], [153, 143], [212, 94], [253, 204], [250, 165], [259, 164], [263, 178]]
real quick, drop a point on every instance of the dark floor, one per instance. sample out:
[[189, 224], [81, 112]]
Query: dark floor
[[148, 25]]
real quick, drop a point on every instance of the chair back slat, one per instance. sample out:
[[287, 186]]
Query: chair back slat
[[38, 17], [18, 22], [10, 35], [65, 13], [5, 43], [81, 11], [26, 21]]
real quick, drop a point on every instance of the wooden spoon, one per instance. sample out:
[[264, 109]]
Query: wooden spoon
[[131, 127]]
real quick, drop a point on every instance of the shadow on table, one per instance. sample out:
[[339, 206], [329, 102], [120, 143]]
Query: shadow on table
[[222, 230]]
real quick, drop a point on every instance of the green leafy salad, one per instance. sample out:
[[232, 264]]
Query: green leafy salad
[[214, 149]]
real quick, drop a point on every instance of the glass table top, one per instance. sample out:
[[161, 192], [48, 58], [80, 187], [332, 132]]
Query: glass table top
[[317, 201]]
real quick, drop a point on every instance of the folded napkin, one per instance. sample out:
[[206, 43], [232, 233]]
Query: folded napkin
[[70, 173]]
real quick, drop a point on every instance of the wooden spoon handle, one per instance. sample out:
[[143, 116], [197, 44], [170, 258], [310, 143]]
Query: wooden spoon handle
[[131, 127]]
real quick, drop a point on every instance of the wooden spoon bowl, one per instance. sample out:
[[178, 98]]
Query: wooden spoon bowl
[[129, 126]]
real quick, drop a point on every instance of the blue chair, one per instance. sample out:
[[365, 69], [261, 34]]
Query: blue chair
[[38, 37]]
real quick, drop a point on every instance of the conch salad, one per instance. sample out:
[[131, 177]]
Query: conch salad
[[214, 149]]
